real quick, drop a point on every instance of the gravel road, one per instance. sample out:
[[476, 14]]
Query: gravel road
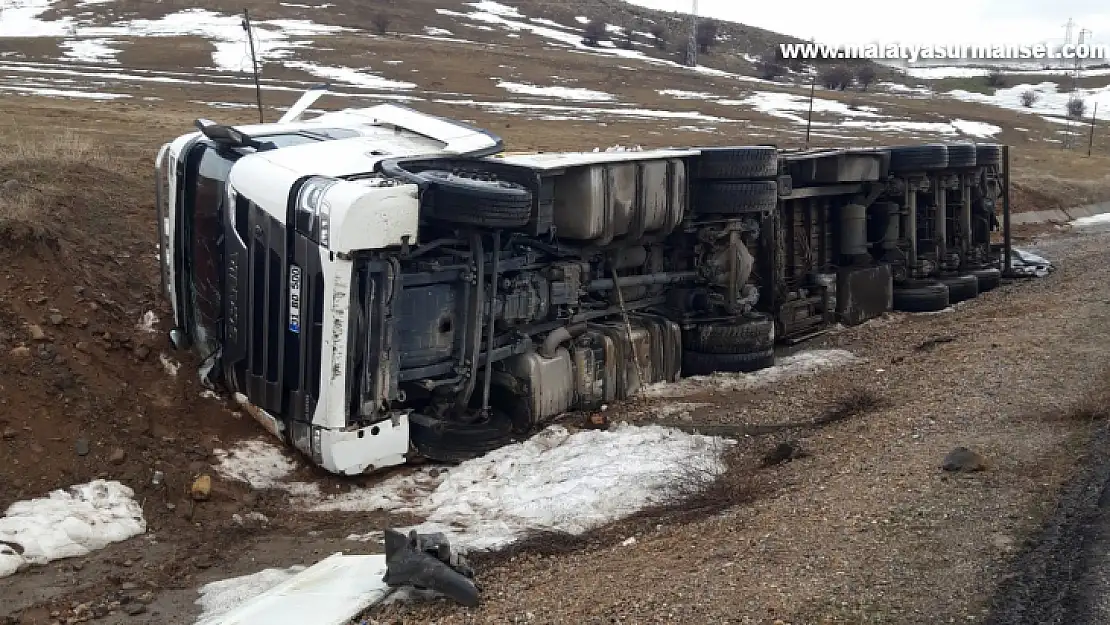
[[867, 528]]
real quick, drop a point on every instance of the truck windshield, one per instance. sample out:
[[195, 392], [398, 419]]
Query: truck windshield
[[203, 222]]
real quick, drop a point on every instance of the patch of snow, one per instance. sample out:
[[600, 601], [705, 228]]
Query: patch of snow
[[350, 76], [554, 481], [1093, 220], [584, 113], [219, 598], [437, 32], [943, 311], [687, 95], [259, 463], [496, 8], [445, 39], [377, 537], [552, 23], [64, 93], [224, 31], [981, 130], [509, 18], [169, 364], [68, 523], [1050, 100], [225, 105], [148, 322], [783, 105], [271, 37], [937, 73], [1059, 120], [895, 87], [307, 6], [564, 93], [96, 50], [793, 366], [21, 19]]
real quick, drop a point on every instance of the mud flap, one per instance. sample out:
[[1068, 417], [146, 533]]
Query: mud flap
[[427, 562]]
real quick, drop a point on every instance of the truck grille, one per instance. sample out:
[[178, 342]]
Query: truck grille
[[267, 312]]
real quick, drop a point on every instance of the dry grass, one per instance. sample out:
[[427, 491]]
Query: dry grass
[[704, 489], [1094, 406], [36, 172], [855, 403]]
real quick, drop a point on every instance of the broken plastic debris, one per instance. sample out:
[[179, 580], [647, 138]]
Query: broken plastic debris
[[427, 561]]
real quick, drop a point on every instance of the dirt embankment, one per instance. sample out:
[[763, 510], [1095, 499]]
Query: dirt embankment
[[85, 391]]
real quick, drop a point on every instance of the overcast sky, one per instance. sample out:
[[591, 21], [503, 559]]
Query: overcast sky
[[933, 21]]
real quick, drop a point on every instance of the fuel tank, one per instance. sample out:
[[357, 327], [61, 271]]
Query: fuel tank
[[603, 202], [603, 365]]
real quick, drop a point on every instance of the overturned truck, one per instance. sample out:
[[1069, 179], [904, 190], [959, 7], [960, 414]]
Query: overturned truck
[[378, 284]]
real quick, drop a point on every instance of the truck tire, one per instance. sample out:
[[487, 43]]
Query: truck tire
[[926, 298], [742, 337], [452, 441], [464, 200], [911, 158], [988, 154], [698, 363], [961, 155], [989, 279], [961, 288], [738, 163], [731, 198]]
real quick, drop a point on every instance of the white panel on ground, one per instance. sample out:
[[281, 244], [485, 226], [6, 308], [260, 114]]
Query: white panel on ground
[[332, 592]]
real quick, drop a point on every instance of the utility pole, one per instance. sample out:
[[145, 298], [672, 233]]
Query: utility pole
[[1091, 141], [254, 64], [692, 44], [812, 89]]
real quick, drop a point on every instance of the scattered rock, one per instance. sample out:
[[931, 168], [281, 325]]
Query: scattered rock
[[81, 447], [965, 460], [57, 320], [118, 456], [9, 433], [783, 452], [202, 488], [142, 352], [20, 353], [36, 332], [134, 609]]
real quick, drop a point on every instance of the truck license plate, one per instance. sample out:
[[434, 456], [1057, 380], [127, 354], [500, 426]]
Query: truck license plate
[[294, 299]]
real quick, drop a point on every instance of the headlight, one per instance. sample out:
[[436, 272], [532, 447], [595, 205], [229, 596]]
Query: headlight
[[313, 213]]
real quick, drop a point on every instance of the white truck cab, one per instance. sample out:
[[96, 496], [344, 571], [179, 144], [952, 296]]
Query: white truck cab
[[268, 211]]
